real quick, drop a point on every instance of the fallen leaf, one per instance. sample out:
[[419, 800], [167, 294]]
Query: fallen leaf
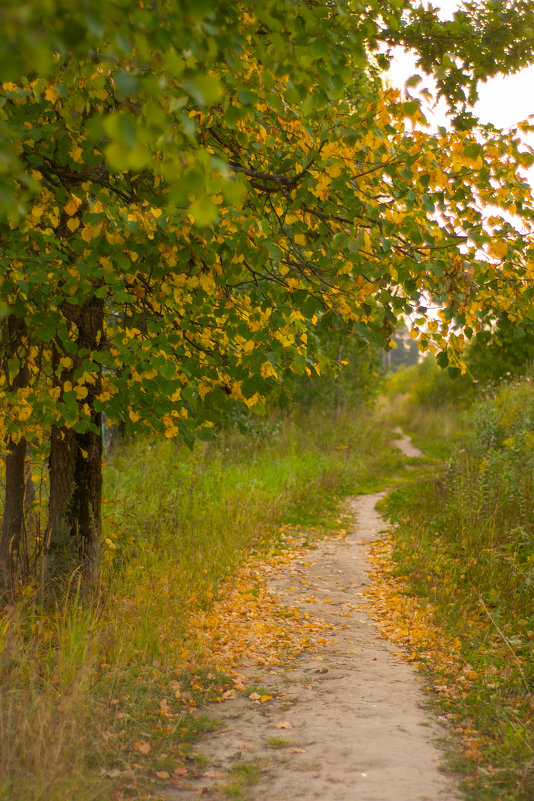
[[474, 754], [255, 697], [165, 709], [213, 774], [180, 770], [162, 774], [284, 725], [471, 675], [143, 748], [265, 698], [295, 751]]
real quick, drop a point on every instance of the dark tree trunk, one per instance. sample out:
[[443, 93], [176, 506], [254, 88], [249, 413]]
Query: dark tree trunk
[[13, 519], [59, 548], [74, 524], [85, 509]]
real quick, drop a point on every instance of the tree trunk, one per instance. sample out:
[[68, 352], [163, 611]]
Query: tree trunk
[[13, 519], [85, 509], [58, 547], [74, 524]]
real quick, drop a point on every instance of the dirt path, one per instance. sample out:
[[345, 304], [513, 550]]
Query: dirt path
[[344, 724], [405, 445]]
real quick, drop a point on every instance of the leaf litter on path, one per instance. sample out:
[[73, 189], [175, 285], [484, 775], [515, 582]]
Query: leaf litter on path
[[345, 718]]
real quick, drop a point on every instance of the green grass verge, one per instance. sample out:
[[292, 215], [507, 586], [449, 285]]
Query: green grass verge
[[465, 541]]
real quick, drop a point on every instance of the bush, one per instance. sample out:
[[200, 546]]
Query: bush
[[428, 385]]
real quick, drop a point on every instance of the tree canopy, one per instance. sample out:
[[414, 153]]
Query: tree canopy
[[190, 189]]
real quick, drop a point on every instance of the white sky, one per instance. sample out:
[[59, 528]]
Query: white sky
[[504, 101]]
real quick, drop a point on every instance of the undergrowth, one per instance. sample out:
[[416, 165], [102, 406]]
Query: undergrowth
[[102, 701], [465, 543]]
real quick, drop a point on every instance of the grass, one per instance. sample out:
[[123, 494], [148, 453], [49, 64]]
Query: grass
[[243, 775], [97, 700], [278, 742], [465, 542]]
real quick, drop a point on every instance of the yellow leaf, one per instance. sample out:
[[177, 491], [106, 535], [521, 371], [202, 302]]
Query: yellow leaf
[[51, 94], [300, 239], [134, 416], [76, 153], [24, 413], [90, 231], [284, 725], [72, 206], [156, 213], [267, 370], [334, 170], [499, 249], [253, 400], [73, 224]]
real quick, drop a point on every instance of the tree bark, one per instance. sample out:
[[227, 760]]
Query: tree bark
[[13, 519], [74, 524], [85, 509], [58, 547]]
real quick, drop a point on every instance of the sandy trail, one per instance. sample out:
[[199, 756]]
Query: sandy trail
[[354, 723], [405, 445]]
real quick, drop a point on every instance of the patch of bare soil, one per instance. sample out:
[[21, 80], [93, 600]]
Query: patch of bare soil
[[346, 723]]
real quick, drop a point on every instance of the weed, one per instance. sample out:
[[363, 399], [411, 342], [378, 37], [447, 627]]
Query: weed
[[278, 742], [244, 775]]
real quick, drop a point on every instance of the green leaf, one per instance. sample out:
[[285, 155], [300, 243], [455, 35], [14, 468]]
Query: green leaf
[[207, 89], [203, 211]]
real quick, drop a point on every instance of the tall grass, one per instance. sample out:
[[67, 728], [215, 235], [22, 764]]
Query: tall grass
[[82, 686], [466, 541]]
